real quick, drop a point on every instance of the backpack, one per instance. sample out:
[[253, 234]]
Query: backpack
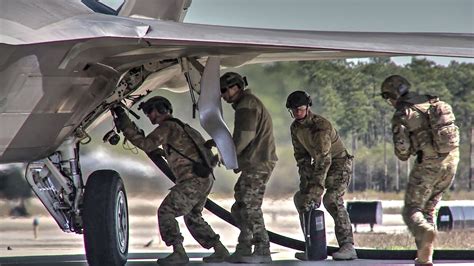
[[205, 168], [441, 122]]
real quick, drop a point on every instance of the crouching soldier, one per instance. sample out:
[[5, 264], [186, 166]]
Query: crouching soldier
[[181, 145], [323, 163]]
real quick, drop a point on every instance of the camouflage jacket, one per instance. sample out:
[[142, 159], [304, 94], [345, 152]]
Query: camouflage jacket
[[410, 127], [253, 133], [316, 143], [166, 134]]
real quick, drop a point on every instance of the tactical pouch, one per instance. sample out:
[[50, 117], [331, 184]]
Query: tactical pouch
[[203, 169], [446, 138], [440, 116]]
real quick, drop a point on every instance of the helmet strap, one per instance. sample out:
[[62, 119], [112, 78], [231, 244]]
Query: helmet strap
[[291, 112]]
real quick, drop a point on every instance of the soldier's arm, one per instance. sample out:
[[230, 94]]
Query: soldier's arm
[[136, 136], [303, 161], [245, 127], [321, 153], [401, 139]]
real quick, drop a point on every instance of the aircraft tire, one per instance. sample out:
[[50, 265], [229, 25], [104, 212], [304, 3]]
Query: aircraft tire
[[105, 219]]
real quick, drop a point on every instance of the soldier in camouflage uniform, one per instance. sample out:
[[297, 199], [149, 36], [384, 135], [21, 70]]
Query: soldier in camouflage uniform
[[423, 126], [323, 163], [255, 148], [189, 194]]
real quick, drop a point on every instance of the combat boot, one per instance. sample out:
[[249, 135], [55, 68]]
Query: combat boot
[[346, 252], [178, 256], [219, 255], [261, 254], [425, 251], [241, 250]]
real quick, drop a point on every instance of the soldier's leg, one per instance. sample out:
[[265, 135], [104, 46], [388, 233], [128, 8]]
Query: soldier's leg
[[197, 226], [416, 213], [252, 197], [297, 199], [442, 184], [337, 180], [244, 245], [442, 181], [419, 190], [201, 230], [255, 214], [180, 200], [249, 191], [238, 212]]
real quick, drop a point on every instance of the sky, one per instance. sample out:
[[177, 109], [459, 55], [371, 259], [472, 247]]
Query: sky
[[341, 15]]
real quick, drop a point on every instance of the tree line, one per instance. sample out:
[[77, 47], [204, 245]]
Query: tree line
[[348, 94]]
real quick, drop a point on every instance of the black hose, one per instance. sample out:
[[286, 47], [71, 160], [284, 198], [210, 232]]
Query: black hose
[[300, 245]]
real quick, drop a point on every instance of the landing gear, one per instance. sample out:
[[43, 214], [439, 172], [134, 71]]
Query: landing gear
[[98, 210], [105, 219]]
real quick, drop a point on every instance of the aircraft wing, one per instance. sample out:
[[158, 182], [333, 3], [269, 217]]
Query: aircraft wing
[[59, 61]]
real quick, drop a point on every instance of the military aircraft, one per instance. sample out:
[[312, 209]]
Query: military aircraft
[[64, 64]]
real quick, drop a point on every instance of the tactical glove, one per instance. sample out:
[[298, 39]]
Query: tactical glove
[[310, 202], [209, 144], [119, 117], [118, 111], [160, 152]]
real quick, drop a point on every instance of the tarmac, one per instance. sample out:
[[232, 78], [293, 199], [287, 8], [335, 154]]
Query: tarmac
[[279, 258]]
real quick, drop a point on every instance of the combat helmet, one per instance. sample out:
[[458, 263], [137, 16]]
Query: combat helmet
[[297, 99], [230, 79], [394, 87], [160, 103]]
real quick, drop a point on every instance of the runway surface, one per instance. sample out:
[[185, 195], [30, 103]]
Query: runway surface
[[279, 258], [51, 246]]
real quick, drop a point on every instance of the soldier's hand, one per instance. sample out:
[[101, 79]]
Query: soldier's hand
[[118, 111], [215, 160], [209, 144], [160, 152], [119, 116], [311, 202]]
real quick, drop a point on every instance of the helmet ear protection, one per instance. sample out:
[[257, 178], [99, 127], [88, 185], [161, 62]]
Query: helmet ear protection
[[162, 108], [310, 101], [394, 87], [402, 89]]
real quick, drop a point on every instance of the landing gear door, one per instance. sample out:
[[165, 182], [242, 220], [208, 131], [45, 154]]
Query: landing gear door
[[210, 113]]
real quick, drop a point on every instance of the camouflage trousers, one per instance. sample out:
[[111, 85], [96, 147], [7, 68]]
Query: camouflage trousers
[[337, 180], [187, 198], [427, 182], [247, 209]]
